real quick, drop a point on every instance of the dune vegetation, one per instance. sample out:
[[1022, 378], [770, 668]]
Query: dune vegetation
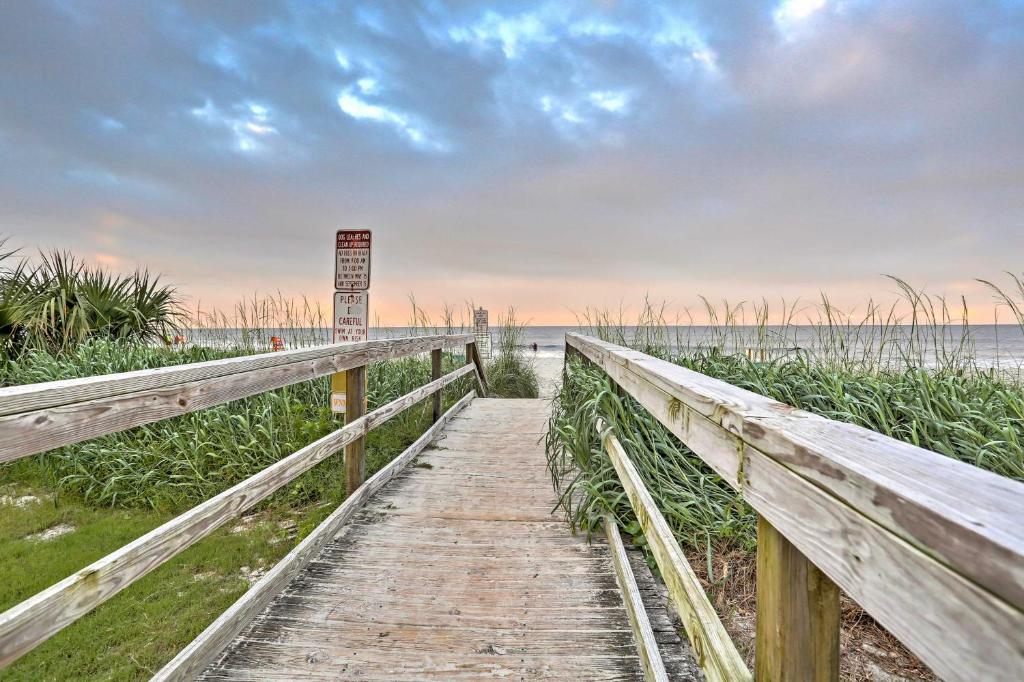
[[59, 301], [509, 373], [61, 318], [913, 377]]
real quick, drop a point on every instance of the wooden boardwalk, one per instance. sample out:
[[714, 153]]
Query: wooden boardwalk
[[456, 570], [454, 567]]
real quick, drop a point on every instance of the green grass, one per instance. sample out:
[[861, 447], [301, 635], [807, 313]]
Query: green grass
[[700, 508], [60, 301], [975, 417], [116, 488], [176, 463], [912, 377], [132, 635], [136, 632], [509, 373]]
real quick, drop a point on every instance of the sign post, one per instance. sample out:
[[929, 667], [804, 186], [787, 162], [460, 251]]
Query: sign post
[[351, 321]]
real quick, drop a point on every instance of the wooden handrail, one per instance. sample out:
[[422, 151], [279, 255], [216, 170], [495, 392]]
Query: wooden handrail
[[40, 396], [473, 356], [40, 417], [713, 649], [646, 641], [34, 620], [931, 547]]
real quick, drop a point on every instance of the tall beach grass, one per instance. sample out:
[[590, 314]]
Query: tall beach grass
[[907, 370], [509, 373]]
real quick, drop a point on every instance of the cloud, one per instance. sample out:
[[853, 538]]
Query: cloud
[[614, 102], [776, 146], [406, 125], [512, 33], [248, 122], [790, 14]]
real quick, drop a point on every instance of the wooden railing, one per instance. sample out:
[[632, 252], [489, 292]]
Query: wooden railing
[[40, 417], [932, 548]]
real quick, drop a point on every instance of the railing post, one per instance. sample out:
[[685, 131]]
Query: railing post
[[355, 455], [473, 356], [797, 614], [570, 353], [574, 352], [435, 374]]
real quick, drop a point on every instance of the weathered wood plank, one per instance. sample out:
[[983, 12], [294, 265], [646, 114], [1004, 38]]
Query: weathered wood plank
[[480, 373], [676, 652], [797, 614], [910, 592], [355, 407], [64, 421], [279, 662], [440, 579], [204, 648], [31, 397], [435, 373], [24, 626], [716, 654], [964, 516], [646, 644]]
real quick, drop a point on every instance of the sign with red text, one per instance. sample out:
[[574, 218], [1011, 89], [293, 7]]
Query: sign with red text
[[352, 260], [351, 316]]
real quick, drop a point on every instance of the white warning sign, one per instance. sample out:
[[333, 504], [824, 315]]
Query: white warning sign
[[351, 316], [352, 260]]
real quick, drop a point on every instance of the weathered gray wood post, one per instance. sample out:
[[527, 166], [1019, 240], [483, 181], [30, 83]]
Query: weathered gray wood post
[[435, 374], [355, 452], [797, 614]]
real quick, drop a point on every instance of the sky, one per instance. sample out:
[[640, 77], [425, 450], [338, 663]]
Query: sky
[[551, 156]]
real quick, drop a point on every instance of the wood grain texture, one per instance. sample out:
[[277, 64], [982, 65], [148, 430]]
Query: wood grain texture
[[41, 417], [456, 570], [643, 633], [435, 373], [797, 614], [480, 372], [676, 651], [473, 357], [965, 517], [915, 594], [714, 649], [208, 645], [31, 397], [31, 622], [355, 407]]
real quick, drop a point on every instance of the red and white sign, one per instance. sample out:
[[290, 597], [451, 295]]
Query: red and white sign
[[352, 261], [351, 316]]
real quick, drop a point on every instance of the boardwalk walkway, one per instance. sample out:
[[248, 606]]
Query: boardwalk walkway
[[456, 570]]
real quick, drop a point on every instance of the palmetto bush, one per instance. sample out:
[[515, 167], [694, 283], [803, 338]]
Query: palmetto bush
[[61, 301]]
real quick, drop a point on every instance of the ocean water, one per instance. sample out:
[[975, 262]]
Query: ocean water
[[1000, 346], [988, 345]]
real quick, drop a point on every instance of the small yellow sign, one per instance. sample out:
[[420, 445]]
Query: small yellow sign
[[338, 395]]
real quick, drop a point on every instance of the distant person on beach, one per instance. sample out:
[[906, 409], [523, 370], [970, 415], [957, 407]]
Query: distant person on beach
[[534, 345]]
